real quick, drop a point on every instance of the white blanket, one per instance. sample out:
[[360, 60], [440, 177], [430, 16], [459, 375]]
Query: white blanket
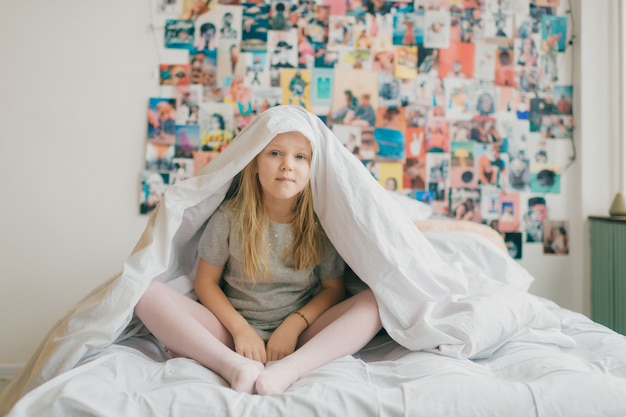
[[447, 306]]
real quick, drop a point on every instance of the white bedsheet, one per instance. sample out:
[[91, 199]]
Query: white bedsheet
[[384, 379]]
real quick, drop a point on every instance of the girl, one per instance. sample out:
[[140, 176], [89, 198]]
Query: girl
[[269, 281]]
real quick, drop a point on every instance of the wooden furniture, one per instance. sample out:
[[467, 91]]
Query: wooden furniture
[[608, 271]]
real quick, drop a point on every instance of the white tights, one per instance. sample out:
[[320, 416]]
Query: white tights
[[192, 330]]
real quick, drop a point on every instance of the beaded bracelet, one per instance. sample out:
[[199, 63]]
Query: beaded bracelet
[[303, 318]]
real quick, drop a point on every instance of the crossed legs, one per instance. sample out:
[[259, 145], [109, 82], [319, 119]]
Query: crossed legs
[[341, 330], [191, 330]]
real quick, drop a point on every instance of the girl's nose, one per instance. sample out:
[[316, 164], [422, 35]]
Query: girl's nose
[[286, 164]]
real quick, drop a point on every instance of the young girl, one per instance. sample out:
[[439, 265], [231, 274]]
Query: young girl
[[269, 280]]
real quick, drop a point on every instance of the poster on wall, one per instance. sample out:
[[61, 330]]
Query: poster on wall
[[458, 104]]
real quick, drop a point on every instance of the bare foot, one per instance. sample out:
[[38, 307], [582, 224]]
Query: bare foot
[[245, 375]]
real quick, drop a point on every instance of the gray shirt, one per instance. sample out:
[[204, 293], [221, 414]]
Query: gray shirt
[[264, 304]]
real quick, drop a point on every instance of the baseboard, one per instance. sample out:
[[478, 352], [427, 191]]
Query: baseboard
[[9, 370]]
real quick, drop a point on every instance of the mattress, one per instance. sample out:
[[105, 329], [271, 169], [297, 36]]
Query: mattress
[[136, 378]]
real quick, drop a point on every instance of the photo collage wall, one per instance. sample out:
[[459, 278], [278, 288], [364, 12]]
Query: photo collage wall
[[465, 105]]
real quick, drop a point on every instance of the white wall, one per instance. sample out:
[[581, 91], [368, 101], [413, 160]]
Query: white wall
[[76, 77]]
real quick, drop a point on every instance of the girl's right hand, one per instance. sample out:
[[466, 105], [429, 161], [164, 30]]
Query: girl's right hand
[[250, 345]]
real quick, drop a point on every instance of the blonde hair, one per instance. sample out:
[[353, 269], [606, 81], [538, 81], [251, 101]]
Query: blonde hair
[[251, 225]]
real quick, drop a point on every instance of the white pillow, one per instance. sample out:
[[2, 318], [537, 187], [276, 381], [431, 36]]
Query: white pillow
[[463, 248]]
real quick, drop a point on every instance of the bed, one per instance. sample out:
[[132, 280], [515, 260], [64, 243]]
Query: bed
[[463, 337]]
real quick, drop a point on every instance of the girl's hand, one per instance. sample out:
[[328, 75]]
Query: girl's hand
[[284, 339], [250, 345]]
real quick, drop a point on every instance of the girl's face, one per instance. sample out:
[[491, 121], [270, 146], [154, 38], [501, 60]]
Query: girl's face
[[284, 167]]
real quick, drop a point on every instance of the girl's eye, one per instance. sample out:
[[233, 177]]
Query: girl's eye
[[301, 156], [274, 153]]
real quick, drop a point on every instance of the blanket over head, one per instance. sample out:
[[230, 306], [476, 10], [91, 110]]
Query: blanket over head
[[425, 302]]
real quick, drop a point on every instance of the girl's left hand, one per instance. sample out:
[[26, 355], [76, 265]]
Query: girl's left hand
[[282, 342]]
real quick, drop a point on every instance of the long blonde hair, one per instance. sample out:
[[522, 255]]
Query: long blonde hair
[[251, 224]]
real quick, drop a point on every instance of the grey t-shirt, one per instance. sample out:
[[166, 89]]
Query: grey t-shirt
[[264, 305]]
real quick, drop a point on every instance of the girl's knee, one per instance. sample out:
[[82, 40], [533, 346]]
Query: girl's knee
[[366, 302], [367, 298], [154, 290]]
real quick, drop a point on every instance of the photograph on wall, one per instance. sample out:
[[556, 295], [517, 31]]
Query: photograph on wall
[[390, 176], [188, 99], [498, 26], [279, 15], [436, 29], [485, 61], [505, 75], [187, 140], [321, 90], [159, 156], [513, 243], [216, 126], [535, 218], [406, 62], [229, 23], [462, 165], [183, 168], [545, 178], [282, 47], [205, 38], [465, 204], [553, 33], [255, 23], [341, 32], [437, 138], [437, 176], [389, 93], [162, 121], [176, 75], [354, 59], [390, 143], [509, 219], [457, 61], [256, 69], [491, 165], [153, 186], [519, 171], [459, 130], [490, 206], [349, 136], [238, 95], [179, 34], [458, 103], [557, 126], [355, 102], [228, 60], [556, 237], [296, 87], [407, 28], [563, 97]]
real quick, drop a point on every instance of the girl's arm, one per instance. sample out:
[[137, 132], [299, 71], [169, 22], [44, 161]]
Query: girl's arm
[[247, 342], [284, 339]]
